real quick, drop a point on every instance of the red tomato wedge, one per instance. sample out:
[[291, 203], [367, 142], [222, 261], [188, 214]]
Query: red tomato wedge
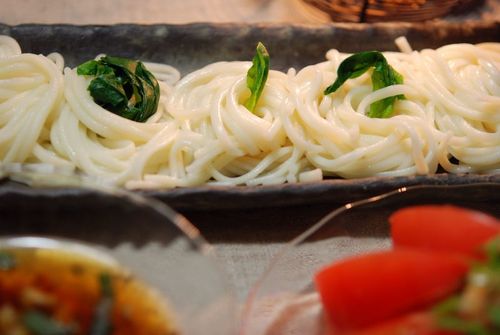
[[368, 289], [418, 323], [443, 228]]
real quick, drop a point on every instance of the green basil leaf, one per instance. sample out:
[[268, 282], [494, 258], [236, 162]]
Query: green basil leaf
[[7, 261], [448, 306], [122, 86], [382, 108], [257, 76], [108, 92], [106, 285], [448, 313], [88, 68], [383, 75], [448, 318], [455, 323], [353, 67], [119, 62], [494, 315], [101, 324], [40, 324], [492, 248]]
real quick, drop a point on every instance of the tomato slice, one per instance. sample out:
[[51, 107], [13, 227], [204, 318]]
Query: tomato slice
[[417, 323], [368, 289], [443, 228]]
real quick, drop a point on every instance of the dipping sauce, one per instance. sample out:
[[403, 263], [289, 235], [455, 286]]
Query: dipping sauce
[[57, 292]]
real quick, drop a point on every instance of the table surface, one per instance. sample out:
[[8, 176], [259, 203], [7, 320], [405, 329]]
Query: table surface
[[246, 250]]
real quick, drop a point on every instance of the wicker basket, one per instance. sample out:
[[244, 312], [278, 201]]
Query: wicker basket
[[390, 10]]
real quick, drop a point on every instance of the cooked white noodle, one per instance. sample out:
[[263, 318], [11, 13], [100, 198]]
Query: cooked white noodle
[[202, 133]]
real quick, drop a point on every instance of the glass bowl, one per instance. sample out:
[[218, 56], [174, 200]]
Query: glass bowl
[[284, 300], [158, 246]]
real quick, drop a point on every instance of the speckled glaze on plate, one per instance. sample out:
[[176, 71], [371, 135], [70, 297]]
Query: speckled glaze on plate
[[189, 47]]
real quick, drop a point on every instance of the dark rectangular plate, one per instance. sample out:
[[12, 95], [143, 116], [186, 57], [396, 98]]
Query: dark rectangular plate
[[189, 47]]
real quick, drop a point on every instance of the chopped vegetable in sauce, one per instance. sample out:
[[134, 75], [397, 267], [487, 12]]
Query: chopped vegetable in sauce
[[42, 293]]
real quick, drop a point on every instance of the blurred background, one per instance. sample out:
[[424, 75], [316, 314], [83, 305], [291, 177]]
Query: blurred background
[[249, 11]]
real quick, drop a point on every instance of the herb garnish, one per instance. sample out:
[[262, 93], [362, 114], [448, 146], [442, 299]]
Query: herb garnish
[[383, 75], [257, 76], [40, 324], [122, 86], [102, 314], [481, 315], [7, 261]]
